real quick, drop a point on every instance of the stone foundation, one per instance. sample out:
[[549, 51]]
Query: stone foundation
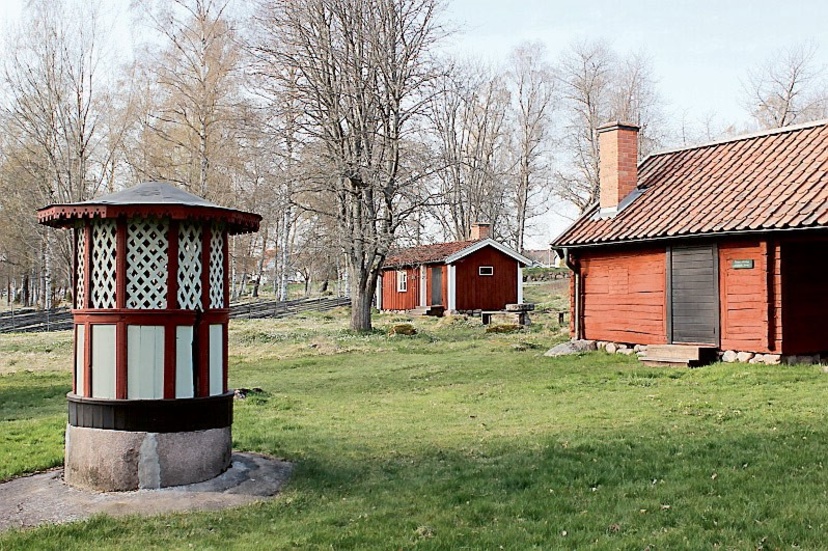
[[116, 460]]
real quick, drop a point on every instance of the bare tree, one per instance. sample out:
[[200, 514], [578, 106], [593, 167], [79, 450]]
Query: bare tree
[[54, 115], [363, 66], [469, 116], [787, 89], [532, 79], [598, 88], [191, 95]]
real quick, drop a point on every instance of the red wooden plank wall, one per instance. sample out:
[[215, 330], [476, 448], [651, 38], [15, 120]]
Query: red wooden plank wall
[[393, 300], [476, 292], [624, 296], [749, 298]]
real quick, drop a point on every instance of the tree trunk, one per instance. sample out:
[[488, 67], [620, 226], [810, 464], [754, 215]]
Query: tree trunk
[[362, 286]]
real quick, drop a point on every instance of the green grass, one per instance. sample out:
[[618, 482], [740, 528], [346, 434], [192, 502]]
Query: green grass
[[454, 439]]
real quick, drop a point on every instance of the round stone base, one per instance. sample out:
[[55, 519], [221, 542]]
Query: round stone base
[[116, 460]]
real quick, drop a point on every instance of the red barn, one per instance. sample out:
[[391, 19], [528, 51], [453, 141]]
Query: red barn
[[460, 276], [723, 246]]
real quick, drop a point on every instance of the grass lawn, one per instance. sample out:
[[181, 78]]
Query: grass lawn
[[458, 439]]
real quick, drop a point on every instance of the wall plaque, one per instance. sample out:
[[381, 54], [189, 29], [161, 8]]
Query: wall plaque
[[743, 264]]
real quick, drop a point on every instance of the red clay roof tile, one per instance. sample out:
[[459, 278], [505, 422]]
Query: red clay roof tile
[[761, 182], [425, 254]]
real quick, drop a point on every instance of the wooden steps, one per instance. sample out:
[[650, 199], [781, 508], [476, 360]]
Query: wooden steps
[[678, 355], [436, 310]]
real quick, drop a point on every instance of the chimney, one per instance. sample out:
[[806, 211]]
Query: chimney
[[480, 230], [618, 167]]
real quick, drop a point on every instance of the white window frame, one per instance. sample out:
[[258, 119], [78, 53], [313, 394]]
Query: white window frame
[[402, 281], [489, 269]]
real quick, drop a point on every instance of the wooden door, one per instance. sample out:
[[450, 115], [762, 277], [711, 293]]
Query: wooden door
[[436, 285], [693, 277]]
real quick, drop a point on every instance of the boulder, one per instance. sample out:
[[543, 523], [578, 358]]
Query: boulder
[[402, 329], [744, 356], [611, 347], [729, 356], [571, 347], [772, 359], [626, 351]]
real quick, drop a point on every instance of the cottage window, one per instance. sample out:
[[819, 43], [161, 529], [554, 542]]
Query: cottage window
[[402, 281], [485, 270]]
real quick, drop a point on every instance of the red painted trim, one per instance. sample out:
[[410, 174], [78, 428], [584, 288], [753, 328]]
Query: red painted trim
[[120, 263], [87, 273], [87, 361], [172, 265], [226, 255], [149, 317], [206, 235], [170, 335], [121, 361]]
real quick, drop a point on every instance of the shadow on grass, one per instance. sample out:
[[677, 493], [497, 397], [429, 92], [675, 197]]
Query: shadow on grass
[[32, 396]]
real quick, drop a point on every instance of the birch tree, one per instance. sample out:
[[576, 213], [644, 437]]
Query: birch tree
[[787, 89], [54, 117], [364, 66], [532, 78], [597, 88], [191, 88], [470, 125]]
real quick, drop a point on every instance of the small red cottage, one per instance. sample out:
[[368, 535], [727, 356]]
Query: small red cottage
[[722, 246], [460, 276]]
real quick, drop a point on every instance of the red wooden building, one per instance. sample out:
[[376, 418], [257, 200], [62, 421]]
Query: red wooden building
[[461, 276], [723, 245]]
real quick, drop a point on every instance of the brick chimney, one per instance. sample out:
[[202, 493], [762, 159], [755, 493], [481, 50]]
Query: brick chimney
[[618, 168], [480, 230]]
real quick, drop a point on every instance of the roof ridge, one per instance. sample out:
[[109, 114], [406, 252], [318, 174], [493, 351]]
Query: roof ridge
[[740, 137]]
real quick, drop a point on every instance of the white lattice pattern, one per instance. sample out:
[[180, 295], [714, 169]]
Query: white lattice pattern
[[80, 275], [103, 264], [146, 261], [189, 266], [217, 267]]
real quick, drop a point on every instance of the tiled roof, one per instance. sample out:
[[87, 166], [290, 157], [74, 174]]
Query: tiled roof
[[425, 254], [770, 181]]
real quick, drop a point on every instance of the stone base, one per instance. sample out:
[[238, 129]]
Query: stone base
[[116, 460]]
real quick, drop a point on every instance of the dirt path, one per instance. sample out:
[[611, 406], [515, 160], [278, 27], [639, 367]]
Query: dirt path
[[44, 498]]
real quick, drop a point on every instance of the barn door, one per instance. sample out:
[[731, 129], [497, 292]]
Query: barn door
[[436, 285], [693, 276]]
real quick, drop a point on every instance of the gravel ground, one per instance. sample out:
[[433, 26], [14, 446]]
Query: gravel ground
[[44, 498]]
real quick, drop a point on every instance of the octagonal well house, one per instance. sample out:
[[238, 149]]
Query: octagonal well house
[[149, 406]]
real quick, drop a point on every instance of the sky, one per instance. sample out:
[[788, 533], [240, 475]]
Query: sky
[[700, 50]]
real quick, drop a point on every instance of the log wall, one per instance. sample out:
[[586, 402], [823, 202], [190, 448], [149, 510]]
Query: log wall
[[624, 296], [750, 301]]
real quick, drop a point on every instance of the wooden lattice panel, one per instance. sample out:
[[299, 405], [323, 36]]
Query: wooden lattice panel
[[103, 264], [217, 267], [80, 274], [146, 261], [189, 266]]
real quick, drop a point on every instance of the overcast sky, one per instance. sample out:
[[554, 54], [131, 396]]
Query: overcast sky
[[700, 49]]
